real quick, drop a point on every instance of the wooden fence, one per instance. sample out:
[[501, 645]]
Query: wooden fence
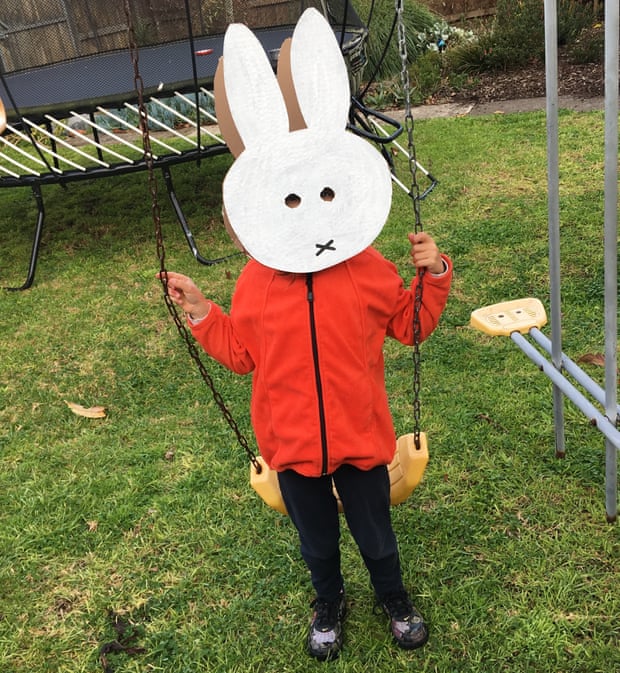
[[455, 10]]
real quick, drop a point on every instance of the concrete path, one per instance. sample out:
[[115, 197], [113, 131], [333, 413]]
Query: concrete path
[[501, 107]]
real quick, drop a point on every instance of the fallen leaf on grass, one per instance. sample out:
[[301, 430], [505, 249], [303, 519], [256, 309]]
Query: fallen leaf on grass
[[90, 412], [597, 359], [490, 421]]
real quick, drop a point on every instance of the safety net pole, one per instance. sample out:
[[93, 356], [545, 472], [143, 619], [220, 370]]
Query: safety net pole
[[611, 249], [553, 210]]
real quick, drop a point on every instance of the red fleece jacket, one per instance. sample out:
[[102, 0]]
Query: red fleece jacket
[[318, 391]]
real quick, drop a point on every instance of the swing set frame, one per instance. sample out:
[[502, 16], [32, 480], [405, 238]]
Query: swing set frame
[[519, 318]]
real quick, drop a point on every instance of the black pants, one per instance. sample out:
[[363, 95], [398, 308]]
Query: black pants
[[313, 509]]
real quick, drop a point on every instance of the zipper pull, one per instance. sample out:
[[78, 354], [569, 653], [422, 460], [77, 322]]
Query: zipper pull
[[309, 286]]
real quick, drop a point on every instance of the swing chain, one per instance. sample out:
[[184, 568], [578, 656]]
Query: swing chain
[[414, 194], [161, 251]]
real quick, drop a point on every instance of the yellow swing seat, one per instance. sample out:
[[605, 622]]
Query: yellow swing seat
[[517, 315], [405, 470]]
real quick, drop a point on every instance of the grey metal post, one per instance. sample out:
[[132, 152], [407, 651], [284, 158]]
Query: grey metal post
[[595, 417], [611, 250], [590, 385], [553, 208]]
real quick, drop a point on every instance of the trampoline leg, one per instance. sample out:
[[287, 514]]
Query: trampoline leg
[[184, 224], [36, 241]]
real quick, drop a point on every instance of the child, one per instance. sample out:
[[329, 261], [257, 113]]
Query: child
[[319, 407], [312, 308]]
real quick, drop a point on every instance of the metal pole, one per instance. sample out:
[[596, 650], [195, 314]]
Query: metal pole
[[611, 250], [553, 206], [595, 417], [588, 383]]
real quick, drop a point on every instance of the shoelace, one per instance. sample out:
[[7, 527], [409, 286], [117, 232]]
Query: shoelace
[[326, 614], [398, 605]]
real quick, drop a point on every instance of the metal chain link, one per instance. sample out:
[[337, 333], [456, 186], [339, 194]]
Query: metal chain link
[[414, 194], [161, 251]]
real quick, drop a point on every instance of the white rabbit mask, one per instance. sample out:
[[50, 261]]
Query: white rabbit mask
[[303, 198]]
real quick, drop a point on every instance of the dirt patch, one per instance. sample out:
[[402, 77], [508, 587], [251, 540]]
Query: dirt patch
[[576, 80]]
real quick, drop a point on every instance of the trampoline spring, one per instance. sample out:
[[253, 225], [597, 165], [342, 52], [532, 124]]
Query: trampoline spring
[[161, 125], [24, 169], [129, 126], [203, 111], [90, 141], [40, 147], [4, 169], [67, 145], [117, 138], [176, 114], [21, 151]]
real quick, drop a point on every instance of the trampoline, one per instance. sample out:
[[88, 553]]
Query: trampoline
[[65, 119]]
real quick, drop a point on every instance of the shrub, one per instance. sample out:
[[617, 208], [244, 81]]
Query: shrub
[[418, 20], [517, 36], [472, 56], [573, 18], [589, 46], [425, 76], [518, 33]]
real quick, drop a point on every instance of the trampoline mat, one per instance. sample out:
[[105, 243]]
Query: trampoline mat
[[105, 79]]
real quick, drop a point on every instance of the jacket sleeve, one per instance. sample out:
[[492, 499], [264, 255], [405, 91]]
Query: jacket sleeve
[[435, 290], [217, 336]]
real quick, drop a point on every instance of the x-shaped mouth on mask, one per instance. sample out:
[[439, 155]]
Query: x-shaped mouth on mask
[[322, 247]]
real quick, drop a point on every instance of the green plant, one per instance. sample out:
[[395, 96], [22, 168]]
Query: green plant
[[472, 56], [418, 20], [573, 18], [517, 37], [385, 94], [146, 33], [442, 37], [588, 46], [518, 33], [425, 76]]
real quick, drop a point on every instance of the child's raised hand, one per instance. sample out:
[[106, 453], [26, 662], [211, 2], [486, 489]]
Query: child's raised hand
[[183, 292], [425, 253]]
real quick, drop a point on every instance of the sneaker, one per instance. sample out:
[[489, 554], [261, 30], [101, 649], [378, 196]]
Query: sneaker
[[325, 633], [407, 624]]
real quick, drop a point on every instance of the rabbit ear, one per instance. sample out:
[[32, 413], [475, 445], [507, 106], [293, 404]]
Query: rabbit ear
[[254, 97], [319, 73], [285, 80], [222, 112], [2, 116]]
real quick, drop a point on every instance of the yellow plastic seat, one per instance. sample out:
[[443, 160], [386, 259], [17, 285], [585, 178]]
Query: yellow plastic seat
[[518, 315], [406, 471]]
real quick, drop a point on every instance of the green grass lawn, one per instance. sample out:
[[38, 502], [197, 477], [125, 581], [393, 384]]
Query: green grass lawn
[[141, 526]]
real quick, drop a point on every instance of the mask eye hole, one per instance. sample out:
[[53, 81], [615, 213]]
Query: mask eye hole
[[292, 200], [328, 194]]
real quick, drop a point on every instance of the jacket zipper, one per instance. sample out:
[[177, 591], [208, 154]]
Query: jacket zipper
[[317, 374]]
